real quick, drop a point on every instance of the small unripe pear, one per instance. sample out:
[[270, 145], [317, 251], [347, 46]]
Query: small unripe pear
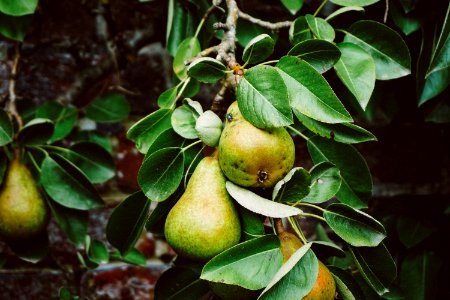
[[209, 128]]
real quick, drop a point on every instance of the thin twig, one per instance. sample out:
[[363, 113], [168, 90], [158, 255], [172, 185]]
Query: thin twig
[[386, 12], [204, 53], [12, 89], [262, 23]]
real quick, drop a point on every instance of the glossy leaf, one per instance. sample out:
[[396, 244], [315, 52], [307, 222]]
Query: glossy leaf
[[36, 132], [167, 138], [161, 173], [320, 54], [343, 10], [411, 231], [356, 69], [376, 265], [6, 129], [183, 122], [347, 133], [263, 99], [325, 183], [408, 23], [258, 49], [354, 2], [310, 93], [320, 28], [145, 131], [96, 251], [441, 57], [387, 48], [106, 108], [353, 226], [346, 285], [18, 8], [64, 118], [180, 283], [167, 98], [179, 25], [15, 28], [356, 187], [260, 205], [133, 256], [127, 221], [293, 5], [206, 69], [187, 49], [293, 187], [250, 264], [299, 31]]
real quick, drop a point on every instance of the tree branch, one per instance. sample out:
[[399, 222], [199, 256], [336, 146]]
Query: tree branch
[[12, 89], [262, 23]]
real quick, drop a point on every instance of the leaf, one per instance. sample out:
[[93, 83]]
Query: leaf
[[440, 58], [299, 31], [296, 277], [346, 286], [183, 122], [15, 28], [411, 231], [250, 264], [145, 131], [167, 98], [325, 183], [353, 226], [326, 249], [127, 221], [64, 118], [293, 5], [440, 113], [260, 205], [179, 25], [258, 49], [31, 250], [246, 30], [354, 2], [310, 93], [206, 69], [347, 133], [320, 28], [191, 89], [293, 187], [111, 107], [96, 251], [180, 283], [133, 256], [36, 132], [263, 99], [6, 129], [251, 223], [356, 69], [356, 187], [376, 265], [167, 138], [343, 10], [388, 50], [408, 23], [195, 107], [320, 54], [67, 185], [18, 8], [161, 173], [187, 49]]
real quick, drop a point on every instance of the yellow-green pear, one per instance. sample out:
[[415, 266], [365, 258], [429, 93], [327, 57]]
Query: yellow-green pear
[[204, 221], [253, 157], [23, 211]]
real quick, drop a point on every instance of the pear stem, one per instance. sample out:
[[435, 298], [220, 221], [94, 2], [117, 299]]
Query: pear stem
[[279, 228]]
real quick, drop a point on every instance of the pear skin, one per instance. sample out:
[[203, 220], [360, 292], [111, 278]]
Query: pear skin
[[23, 211], [252, 157], [204, 221]]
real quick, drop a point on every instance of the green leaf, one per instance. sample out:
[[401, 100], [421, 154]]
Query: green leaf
[[299, 31], [327, 249], [36, 132], [180, 283], [64, 118], [250, 264], [353, 226], [67, 185], [263, 99], [258, 49], [320, 54], [343, 10], [408, 23], [206, 69], [183, 122], [346, 285], [325, 183], [440, 58], [347, 133], [296, 277], [245, 31], [73, 222], [320, 28], [161, 173], [6, 129], [167, 98], [15, 28], [356, 187], [356, 69], [127, 222], [94, 137], [440, 113], [145, 131], [310, 93], [354, 2], [158, 215], [96, 251], [187, 49], [192, 88], [106, 108], [388, 50], [133, 256], [167, 138], [18, 8], [179, 25], [293, 187], [293, 5], [32, 249], [411, 231], [260, 205], [194, 106], [251, 223], [376, 265]]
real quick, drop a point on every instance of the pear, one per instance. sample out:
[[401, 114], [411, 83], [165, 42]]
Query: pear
[[204, 221], [253, 157], [23, 211]]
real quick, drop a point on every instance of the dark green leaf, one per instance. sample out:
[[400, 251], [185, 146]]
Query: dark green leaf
[[192, 88], [354, 2], [183, 122], [110, 107], [411, 231], [353, 226], [96, 251], [133, 256], [326, 249], [346, 285], [293, 5], [440, 113], [94, 137], [36, 132], [245, 31], [251, 223], [325, 183], [67, 185], [167, 138], [161, 173], [263, 98], [356, 187], [293, 187], [388, 50], [251, 264], [18, 8], [299, 31], [167, 98], [180, 283], [320, 28], [441, 58], [258, 49], [127, 222], [408, 23], [322, 55], [206, 69], [32, 249], [310, 93], [186, 50], [179, 25], [15, 28], [157, 218], [6, 129], [64, 118]]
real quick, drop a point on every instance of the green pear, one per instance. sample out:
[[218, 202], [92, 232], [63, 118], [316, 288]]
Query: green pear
[[253, 157], [23, 211], [204, 221]]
